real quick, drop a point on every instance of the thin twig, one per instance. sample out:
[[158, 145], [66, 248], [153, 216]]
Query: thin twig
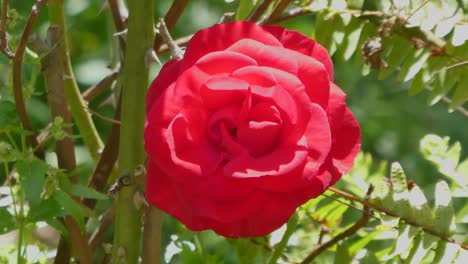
[[388, 212], [17, 75], [280, 7], [118, 18], [108, 119], [107, 159], [3, 38], [415, 11], [174, 13], [258, 12], [100, 87], [348, 232], [65, 149], [176, 51], [106, 221]]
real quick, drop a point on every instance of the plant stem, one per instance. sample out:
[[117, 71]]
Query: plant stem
[[135, 82], [77, 105]]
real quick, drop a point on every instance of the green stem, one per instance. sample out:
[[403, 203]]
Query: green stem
[[77, 105], [135, 82]]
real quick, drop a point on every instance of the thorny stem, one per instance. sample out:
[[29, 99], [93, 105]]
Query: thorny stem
[[3, 38], [135, 82], [17, 75], [76, 103]]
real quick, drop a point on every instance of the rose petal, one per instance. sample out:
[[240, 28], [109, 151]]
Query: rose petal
[[168, 74], [221, 36], [311, 72], [295, 40]]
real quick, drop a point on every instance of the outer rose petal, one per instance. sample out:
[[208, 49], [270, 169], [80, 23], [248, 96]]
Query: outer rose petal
[[346, 134], [294, 40], [221, 36], [167, 75]]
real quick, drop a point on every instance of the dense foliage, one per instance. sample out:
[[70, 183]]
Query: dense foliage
[[403, 65]]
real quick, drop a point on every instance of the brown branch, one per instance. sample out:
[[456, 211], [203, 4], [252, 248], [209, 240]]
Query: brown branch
[[405, 219], [3, 38], [181, 42], [17, 75], [174, 13], [348, 232], [106, 221], [176, 51], [118, 17], [280, 7], [152, 235], [258, 12], [65, 149], [107, 160], [100, 87]]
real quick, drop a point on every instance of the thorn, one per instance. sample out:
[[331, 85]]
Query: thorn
[[176, 51], [122, 33], [151, 57], [140, 170], [105, 6], [139, 199], [227, 17]]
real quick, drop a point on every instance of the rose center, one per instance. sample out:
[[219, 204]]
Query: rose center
[[253, 128]]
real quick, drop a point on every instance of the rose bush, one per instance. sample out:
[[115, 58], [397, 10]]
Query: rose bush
[[245, 128]]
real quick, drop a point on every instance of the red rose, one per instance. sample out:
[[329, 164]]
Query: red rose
[[245, 128]]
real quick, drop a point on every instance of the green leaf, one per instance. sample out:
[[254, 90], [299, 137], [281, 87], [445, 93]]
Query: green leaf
[[9, 118], [460, 96], [244, 8], [47, 209], [86, 192], [74, 208], [418, 84], [445, 252], [444, 215], [414, 65], [32, 174], [396, 56], [351, 40], [369, 30], [421, 213], [423, 243], [406, 234], [279, 248], [355, 247], [342, 253], [7, 221], [323, 35], [400, 190]]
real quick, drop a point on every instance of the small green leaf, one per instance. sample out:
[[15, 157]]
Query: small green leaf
[[47, 209], [9, 118], [86, 192], [423, 243], [72, 207], [406, 234], [460, 96], [421, 213], [418, 84], [355, 247], [445, 252], [342, 253], [396, 56], [444, 215], [323, 35], [414, 66], [353, 32], [279, 248], [400, 190], [7, 221], [32, 174]]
